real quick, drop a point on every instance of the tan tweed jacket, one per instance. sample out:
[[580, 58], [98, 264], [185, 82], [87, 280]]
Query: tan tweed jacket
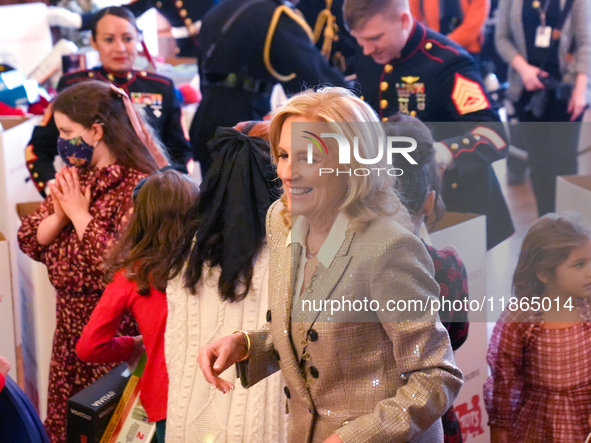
[[384, 379]]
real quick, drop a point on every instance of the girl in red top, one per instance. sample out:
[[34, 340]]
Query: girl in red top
[[140, 265], [4, 368]]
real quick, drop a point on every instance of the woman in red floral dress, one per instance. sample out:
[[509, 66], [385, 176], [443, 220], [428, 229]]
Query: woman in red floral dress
[[89, 203]]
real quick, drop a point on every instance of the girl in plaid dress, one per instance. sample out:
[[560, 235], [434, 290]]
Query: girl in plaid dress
[[540, 352]]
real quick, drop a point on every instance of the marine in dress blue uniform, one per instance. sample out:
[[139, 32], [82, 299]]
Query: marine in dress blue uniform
[[245, 48], [436, 80], [152, 92]]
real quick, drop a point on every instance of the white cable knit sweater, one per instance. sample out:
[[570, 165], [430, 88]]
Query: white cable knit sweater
[[197, 412]]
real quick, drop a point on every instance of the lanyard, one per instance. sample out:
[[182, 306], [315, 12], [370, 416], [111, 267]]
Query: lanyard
[[542, 12]]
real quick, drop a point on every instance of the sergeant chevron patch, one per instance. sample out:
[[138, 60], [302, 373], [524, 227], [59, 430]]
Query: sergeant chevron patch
[[492, 135], [468, 95]]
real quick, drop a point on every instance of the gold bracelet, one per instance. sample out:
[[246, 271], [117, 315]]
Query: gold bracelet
[[247, 342]]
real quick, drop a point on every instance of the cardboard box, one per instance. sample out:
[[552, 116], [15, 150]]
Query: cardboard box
[[137, 428], [129, 423], [7, 325], [38, 308], [34, 297], [10, 121], [467, 234], [15, 131], [90, 410], [573, 193]]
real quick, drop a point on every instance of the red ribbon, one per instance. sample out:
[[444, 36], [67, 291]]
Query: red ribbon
[[140, 128]]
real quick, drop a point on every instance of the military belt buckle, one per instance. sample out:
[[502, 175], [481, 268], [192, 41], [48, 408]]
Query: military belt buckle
[[231, 81], [251, 85]]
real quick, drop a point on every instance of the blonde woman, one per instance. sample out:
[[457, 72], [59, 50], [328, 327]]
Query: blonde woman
[[367, 375]]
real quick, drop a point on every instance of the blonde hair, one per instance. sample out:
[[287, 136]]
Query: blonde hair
[[547, 244], [369, 196]]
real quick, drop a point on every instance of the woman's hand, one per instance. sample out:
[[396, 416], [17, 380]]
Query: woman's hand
[[333, 438], [578, 100], [73, 200], [219, 356], [57, 207], [529, 73], [530, 77], [4, 366], [50, 228], [577, 104], [498, 435], [70, 194]]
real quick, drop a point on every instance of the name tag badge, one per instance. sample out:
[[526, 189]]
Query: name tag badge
[[543, 36]]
